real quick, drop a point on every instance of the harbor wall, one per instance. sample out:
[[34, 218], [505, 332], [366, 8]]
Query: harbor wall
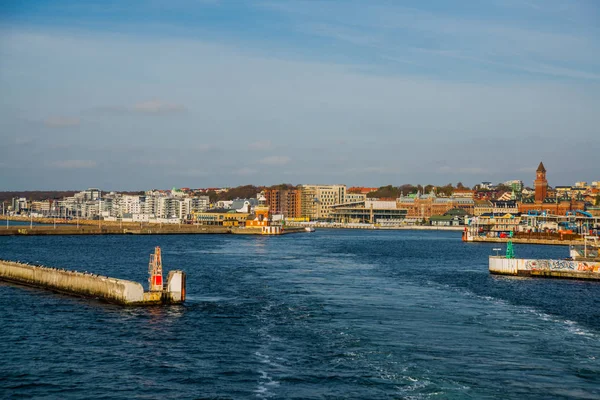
[[543, 267], [83, 284], [154, 229], [552, 242]]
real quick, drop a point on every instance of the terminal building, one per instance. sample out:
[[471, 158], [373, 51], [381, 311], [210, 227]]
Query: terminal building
[[379, 212]]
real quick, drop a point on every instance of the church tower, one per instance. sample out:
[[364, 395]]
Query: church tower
[[540, 184]]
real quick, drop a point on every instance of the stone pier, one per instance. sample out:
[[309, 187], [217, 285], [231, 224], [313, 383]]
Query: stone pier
[[112, 290]]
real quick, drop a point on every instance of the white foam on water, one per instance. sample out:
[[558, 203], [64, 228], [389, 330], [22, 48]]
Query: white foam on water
[[265, 382]]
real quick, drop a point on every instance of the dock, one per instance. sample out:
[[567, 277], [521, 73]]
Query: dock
[[111, 290], [584, 263], [571, 269]]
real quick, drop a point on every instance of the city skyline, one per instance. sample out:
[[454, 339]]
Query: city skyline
[[210, 93]]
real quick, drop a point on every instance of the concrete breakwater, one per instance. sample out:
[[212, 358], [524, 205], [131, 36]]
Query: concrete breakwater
[[112, 290], [545, 268]]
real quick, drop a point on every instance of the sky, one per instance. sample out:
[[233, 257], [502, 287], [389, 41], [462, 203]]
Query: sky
[[135, 95]]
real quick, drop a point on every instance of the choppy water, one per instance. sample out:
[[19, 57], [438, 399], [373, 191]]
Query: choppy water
[[332, 314]]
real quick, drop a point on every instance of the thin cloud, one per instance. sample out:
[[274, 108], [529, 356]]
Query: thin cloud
[[463, 170], [193, 173], [245, 171], [61, 122], [74, 164], [275, 160], [150, 107], [157, 107], [260, 145], [527, 169], [23, 141]]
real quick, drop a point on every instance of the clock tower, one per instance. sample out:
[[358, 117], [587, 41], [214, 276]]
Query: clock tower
[[540, 184]]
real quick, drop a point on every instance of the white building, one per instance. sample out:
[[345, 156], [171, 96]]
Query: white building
[[131, 204]]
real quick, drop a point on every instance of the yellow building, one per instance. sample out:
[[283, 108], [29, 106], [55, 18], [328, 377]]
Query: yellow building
[[229, 218]]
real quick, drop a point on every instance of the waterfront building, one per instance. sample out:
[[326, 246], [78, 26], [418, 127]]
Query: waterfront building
[[353, 197], [422, 207], [482, 207], [41, 207], [150, 205], [19, 204], [220, 217], [505, 207], [286, 202], [497, 223], [90, 194], [446, 220], [381, 212], [317, 200], [131, 204], [261, 215], [199, 203]]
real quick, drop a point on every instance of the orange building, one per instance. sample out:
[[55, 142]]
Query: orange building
[[261, 215]]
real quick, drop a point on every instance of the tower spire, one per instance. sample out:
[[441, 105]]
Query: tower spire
[[541, 168]]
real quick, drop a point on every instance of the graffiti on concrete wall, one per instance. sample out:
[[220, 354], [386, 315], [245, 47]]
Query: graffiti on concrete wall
[[561, 265]]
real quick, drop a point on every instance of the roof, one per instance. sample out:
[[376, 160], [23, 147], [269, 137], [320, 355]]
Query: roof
[[456, 212], [441, 218], [541, 168]]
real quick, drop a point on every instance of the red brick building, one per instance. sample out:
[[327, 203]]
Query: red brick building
[[542, 202], [424, 206], [284, 201]]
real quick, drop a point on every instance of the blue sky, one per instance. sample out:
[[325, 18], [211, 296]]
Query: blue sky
[[154, 94]]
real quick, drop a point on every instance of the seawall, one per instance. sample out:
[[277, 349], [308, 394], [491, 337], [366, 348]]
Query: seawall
[[154, 229], [552, 242], [112, 290], [545, 268], [337, 225]]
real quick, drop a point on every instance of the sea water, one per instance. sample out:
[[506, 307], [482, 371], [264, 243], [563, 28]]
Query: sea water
[[331, 314]]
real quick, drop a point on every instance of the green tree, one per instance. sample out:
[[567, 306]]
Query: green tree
[[282, 186], [445, 190], [212, 195], [503, 188], [240, 192], [385, 192]]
